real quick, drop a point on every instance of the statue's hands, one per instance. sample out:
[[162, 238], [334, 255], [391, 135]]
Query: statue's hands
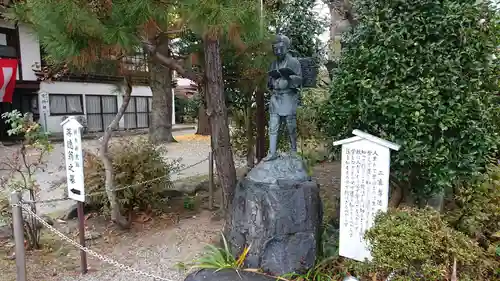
[[281, 84], [296, 80]]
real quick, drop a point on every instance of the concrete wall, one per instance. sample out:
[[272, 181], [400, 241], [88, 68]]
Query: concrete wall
[[53, 123], [29, 49], [30, 55]]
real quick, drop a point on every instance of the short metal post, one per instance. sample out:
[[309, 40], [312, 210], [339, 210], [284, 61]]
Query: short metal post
[[18, 230], [210, 180]]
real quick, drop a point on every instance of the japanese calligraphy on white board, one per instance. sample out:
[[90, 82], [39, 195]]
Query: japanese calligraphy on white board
[[364, 190], [74, 158]]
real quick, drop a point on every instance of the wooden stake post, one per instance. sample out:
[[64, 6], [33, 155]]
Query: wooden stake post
[[18, 231], [73, 153]]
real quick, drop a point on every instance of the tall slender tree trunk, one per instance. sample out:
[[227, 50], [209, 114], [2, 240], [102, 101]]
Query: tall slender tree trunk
[[203, 119], [160, 129], [116, 215], [219, 122], [249, 127], [260, 124]]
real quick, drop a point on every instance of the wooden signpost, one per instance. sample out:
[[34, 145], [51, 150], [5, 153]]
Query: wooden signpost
[[364, 190], [74, 172]]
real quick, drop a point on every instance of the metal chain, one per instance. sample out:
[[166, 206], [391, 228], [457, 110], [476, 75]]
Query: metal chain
[[89, 251], [131, 185], [123, 187], [149, 181]]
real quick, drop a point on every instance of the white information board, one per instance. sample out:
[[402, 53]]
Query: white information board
[[364, 190], [73, 154]]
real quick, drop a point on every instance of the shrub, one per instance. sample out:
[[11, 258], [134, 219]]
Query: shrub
[[136, 163], [477, 210], [422, 73], [23, 164], [418, 244]]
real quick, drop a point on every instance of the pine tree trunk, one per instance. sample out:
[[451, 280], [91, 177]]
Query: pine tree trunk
[[219, 122], [116, 215], [160, 129], [203, 120], [250, 136]]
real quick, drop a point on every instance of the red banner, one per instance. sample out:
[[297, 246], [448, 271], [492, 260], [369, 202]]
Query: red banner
[[8, 73]]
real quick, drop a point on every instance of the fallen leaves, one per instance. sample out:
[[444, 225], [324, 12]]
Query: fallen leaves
[[192, 137]]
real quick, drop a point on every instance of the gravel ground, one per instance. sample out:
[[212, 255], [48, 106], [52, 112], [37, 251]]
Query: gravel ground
[[156, 252]]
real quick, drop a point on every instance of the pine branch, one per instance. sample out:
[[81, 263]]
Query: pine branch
[[170, 62]]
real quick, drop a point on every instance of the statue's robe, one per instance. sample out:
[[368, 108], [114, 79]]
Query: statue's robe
[[285, 100]]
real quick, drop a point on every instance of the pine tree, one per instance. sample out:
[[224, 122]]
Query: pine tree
[[85, 34], [105, 30], [214, 20]]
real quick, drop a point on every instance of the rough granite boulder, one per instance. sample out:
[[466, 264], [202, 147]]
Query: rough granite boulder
[[277, 210], [227, 275]]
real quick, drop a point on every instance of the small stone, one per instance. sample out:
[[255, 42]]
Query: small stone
[[71, 212], [48, 219], [91, 235], [11, 257]]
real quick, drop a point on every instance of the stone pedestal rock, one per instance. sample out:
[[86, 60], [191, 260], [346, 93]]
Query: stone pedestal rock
[[277, 210]]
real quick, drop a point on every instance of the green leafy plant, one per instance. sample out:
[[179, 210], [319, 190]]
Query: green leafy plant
[[477, 210], [189, 202], [221, 258], [423, 74], [25, 161], [419, 244], [137, 164], [319, 272]]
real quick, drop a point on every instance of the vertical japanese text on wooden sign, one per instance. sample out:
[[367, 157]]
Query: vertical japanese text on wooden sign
[[364, 192], [43, 109], [74, 159]]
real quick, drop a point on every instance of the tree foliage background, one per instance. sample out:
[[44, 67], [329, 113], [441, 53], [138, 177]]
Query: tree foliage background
[[422, 74], [79, 33]]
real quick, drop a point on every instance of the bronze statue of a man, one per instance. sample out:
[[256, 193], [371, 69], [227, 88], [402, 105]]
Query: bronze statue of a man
[[285, 80]]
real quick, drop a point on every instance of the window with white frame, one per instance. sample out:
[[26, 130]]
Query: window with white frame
[[62, 104]]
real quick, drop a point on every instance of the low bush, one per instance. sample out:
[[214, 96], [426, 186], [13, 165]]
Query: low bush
[[136, 163], [417, 244], [423, 74], [477, 209]]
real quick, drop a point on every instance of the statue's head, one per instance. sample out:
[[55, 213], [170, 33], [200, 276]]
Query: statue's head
[[281, 45]]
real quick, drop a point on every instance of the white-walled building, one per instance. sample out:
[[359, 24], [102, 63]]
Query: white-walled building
[[92, 97]]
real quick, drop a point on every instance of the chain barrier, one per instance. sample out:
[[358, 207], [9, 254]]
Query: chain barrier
[[87, 250], [121, 188], [126, 186]]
